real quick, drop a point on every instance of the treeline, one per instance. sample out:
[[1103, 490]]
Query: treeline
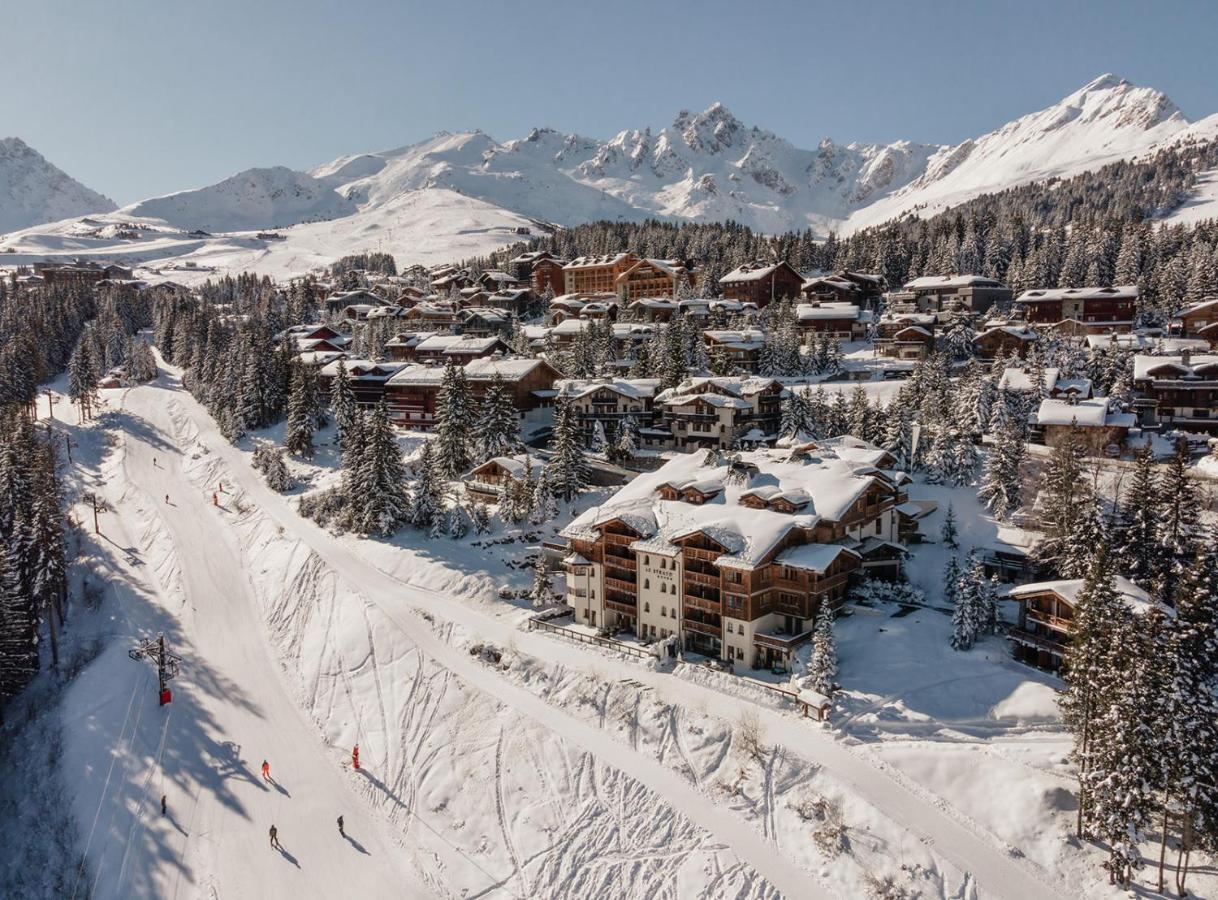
[[42, 330], [366, 262], [1095, 228]]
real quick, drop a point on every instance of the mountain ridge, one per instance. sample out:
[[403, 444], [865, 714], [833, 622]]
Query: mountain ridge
[[34, 191]]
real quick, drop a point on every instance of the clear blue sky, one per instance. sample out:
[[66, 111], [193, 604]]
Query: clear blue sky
[[143, 97]]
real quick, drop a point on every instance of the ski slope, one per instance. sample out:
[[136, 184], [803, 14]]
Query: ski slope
[[926, 817]]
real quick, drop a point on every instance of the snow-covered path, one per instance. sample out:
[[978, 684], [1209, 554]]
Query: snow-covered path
[[998, 873], [231, 710]]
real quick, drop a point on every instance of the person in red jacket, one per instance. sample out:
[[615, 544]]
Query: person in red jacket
[[355, 757], [266, 771]]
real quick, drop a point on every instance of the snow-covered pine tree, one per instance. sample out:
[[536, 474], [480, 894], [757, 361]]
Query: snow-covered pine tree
[[1138, 516], [428, 492], [626, 441], [380, 502], [497, 432], [18, 627], [965, 626], [82, 381], [822, 664], [454, 423], [948, 533], [342, 402], [598, 442], [1063, 497], [298, 438], [540, 593], [568, 468], [1002, 476], [1178, 523], [480, 517]]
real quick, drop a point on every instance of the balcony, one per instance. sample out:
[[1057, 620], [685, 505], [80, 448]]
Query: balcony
[[620, 560], [1050, 621], [621, 584], [711, 581], [620, 605], [1027, 638], [703, 603], [702, 627], [781, 641]]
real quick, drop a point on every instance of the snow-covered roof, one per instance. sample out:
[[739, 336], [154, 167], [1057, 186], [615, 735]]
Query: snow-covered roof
[[515, 466], [748, 535], [950, 281], [1045, 295], [633, 388], [1068, 589], [750, 272], [584, 262], [811, 312], [1022, 334], [455, 344], [1174, 368], [1021, 379], [813, 557], [1087, 413], [1134, 341]]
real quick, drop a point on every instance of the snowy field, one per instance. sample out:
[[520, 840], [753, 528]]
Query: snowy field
[[499, 761]]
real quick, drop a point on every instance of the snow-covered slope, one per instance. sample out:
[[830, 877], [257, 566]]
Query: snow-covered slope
[[250, 200], [461, 194], [33, 191]]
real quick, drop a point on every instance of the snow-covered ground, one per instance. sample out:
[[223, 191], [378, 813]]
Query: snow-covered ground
[[535, 766]]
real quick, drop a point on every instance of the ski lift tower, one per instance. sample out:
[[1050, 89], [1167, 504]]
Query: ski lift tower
[[167, 663]]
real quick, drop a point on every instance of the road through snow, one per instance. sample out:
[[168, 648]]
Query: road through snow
[[997, 872]]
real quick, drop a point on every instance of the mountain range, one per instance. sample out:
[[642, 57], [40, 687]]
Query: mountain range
[[33, 191], [705, 166]]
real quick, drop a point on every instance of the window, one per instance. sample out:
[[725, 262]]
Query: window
[[663, 588], [663, 612], [646, 584], [646, 560], [646, 607], [731, 628], [878, 526]]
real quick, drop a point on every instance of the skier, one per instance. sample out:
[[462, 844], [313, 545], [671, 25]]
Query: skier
[[266, 771], [340, 827], [215, 501], [355, 757], [166, 498], [163, 811], [275, 838], [221, 487]]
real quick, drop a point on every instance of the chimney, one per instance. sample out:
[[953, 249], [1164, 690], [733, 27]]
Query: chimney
[[1186, 356]]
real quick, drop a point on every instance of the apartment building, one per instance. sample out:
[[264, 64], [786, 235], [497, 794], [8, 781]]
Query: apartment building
[[608, 401], [654, 278], [736, 554], [761, 283], [1200, 321], [718, 412], [967, 294], [1081, 310], [596, 274], [1177, 390], [860, 288]]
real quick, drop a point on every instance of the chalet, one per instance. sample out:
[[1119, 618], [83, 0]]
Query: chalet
[[482, 321], [1003, 340], [906, 335], [761, 283], [716, 412], [488, 481], [456, 348], [446, 279], [653, 278], [1200, 321], [740, 348], [336, 303], [1177, 391], [653, 309], [969, 294], [368, 378], [1022, 379], [413, 391], [314, 338], [1101, 429], [436, 316], [1082, 310], [547, 277], [844, 321], [517, 301], [402, 345], [493, 280], [736, 557], [858, 288], [1046, 618], [596, 273], [382, 313], [608, 401]]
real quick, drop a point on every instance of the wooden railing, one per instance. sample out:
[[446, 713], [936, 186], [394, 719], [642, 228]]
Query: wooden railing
[[538, 625], [702, 627], [702, 603]]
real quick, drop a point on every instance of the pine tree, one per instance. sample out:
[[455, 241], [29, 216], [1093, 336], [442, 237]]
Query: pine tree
[[454, 423], [427, 496], [497, 431], [1139, 513], [18, 630], [379, 502], [480, 517], [1178, 523], [626, 441], [822, 664], [541, 594], [1064, 497], [342, 402], [298, 439], [948, 534], [569, 468], [82, 381], [965, 626], [1002, 476]]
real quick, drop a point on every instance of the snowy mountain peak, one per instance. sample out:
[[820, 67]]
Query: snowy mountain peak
[[711, 131], [33, 191]]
